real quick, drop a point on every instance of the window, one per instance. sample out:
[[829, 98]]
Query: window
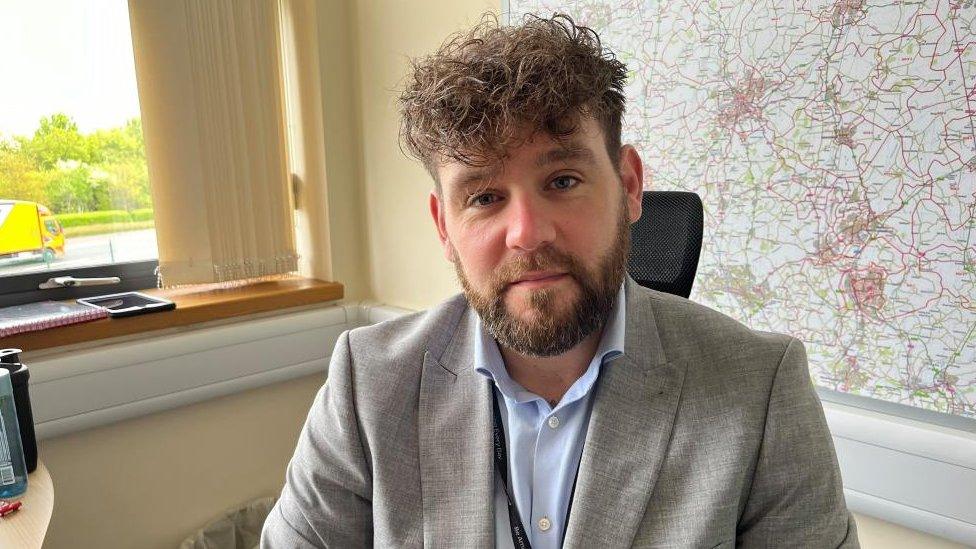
[[74, 187]]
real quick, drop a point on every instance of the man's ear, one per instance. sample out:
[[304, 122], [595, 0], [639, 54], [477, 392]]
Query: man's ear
[[437, 213], [632, 178]]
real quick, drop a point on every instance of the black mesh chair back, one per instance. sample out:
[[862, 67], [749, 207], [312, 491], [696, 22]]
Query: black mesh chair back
[[666, 242]]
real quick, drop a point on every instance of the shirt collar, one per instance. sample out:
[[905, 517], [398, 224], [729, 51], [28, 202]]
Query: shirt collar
[[489, 363]]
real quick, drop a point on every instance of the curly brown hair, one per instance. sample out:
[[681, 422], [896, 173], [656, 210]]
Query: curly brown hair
[[473, 99]]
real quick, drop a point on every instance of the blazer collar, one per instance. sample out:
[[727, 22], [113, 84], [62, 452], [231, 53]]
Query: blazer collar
[[630, 426], [627, 439], [455, 425]]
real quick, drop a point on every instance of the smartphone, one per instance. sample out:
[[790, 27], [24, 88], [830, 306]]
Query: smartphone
[[128, 304]]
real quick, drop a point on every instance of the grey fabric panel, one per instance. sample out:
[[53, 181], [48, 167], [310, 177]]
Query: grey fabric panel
[[796, 496]]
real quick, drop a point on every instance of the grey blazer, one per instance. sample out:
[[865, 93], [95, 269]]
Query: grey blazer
[[703, 434]]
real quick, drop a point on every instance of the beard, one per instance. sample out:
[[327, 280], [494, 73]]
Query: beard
[[551, 330]]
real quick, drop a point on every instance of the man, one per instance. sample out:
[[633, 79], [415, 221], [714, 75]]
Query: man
[[555, 402]]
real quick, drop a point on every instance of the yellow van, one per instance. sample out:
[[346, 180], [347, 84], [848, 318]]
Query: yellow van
[[29, 228]]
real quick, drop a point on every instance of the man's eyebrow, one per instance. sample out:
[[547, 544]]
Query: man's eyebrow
[[569, 152], [477, 177]]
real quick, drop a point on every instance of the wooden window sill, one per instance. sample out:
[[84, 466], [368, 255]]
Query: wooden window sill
[[194, 305]]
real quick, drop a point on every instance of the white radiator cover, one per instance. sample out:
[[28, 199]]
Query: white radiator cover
[[87, 388], [905, 471]]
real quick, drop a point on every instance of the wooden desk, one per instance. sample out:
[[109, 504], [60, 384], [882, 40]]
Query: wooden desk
[[27, 526]]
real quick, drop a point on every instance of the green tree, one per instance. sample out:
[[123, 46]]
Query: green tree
[[72, 187], [68, 171], [57, 138], [118, 144], [18, 178], [127, 185]]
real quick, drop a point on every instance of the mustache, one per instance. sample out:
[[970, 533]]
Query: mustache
[[546, 259]]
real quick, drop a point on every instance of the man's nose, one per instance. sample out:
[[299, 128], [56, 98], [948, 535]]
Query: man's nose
[[530, 225]]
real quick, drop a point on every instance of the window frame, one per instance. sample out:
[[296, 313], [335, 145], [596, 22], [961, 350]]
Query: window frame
[[24, 288]]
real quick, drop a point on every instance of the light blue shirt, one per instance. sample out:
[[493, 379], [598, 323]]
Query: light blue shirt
[[544, 444]]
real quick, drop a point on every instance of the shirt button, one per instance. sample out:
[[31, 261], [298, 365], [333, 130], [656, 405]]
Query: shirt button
[[544, 524], [553, 421]]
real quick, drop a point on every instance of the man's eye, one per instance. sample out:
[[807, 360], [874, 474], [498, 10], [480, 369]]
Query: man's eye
[[564, 182], [561, 183], [483, 199]]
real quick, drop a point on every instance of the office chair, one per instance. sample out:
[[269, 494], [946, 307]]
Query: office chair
[[666, 242]]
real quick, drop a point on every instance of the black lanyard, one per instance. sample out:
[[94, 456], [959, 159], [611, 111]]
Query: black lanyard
[[519, 536]]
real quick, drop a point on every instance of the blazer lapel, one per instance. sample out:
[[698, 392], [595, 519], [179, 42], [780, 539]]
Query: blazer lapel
[[455, 421], [630, 426]]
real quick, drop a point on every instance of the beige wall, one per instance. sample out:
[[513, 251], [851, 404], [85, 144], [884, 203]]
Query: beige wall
[[152, 481], [408, 267], [878, 534], [149, 482], [343, 146]]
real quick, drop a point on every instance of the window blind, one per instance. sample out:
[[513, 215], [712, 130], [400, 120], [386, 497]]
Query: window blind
[[213, 109]]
